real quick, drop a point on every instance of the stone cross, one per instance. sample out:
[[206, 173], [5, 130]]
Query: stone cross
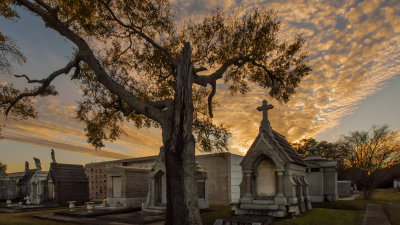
[[264, 108], [265, 125]]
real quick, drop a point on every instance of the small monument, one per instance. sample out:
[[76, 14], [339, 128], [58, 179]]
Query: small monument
[[322, 177], [273, 175]]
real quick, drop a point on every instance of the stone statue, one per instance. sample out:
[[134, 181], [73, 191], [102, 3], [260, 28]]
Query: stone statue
[[26, 165], [37, 163], [53, 157]]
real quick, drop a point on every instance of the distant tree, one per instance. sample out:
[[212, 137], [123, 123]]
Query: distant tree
[[369, 151], [327, 150], [3, 167], [303, 145], [134, 64]]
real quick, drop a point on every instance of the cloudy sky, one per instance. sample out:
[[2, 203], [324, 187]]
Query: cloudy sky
[[354, 49]]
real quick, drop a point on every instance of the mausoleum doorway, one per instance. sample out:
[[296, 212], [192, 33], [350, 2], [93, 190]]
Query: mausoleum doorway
[[265, 178]]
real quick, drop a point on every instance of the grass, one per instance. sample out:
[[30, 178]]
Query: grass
[[390, 200], [322, 216], [26, 218], [331, 213], [218, 212], [385, 195], [357, 204]]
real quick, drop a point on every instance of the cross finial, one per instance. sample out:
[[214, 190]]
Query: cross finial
[[264, 108], [265, 126]]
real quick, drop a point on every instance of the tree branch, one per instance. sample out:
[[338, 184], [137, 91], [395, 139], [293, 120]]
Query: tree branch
[[212, 78], [45, 82], [138, 31], [88, 56]]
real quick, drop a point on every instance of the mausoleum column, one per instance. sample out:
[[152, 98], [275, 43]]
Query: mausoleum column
[[280, 197], [247, 175], [280, 181]]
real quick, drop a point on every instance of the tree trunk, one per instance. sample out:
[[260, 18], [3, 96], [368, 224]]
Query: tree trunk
[[179, 143]]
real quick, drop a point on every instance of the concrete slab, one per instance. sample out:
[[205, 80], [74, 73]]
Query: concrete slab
[[117, 219], [375, 215]]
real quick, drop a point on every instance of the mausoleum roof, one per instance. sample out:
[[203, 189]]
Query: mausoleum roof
[[270, 140], [27, 177], [67, 173]]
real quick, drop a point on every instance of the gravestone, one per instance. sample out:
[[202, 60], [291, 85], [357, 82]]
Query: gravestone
[[396, 184], [273, 181], [344, 188], [322, 177]]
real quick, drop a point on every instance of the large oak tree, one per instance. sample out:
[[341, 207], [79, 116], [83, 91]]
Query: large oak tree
[[134, 64]]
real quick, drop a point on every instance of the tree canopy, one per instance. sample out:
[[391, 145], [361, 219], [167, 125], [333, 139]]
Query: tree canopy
[[136, 44]]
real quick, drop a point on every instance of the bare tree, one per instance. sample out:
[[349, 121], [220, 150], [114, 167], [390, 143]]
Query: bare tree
[[134, 64], [3, 167], [370, 151]]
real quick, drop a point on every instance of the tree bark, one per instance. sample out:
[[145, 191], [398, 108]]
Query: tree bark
[[179, 143]]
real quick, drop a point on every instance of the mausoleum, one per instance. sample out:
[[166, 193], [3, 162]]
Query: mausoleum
[[23, 185], [7, 187], [157, 192], [67, 182], [38, 185], [322, 177], [127, 187], [273, 181]]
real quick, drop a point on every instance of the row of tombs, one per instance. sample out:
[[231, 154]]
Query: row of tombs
[[271, 179]]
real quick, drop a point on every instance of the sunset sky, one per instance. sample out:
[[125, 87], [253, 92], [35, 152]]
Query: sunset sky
[[354, 51]]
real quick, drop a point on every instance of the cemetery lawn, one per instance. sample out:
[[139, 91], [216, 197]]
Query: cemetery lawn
[[322, 216], [26, 218], [218, 212], [390, 200]]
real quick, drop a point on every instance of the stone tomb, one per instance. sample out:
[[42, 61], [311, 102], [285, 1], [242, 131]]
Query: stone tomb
[[157, 193], [322, 177], [273, 181], [67, 182], [23, 185], [396, 184], [38, 185], [344, 188], [7, 187], [127, 187]]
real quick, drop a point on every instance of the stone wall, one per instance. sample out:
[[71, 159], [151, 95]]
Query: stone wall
[[218, 171]]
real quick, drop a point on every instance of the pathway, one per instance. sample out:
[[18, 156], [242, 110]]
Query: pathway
[[350, 197], [375, 215]]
